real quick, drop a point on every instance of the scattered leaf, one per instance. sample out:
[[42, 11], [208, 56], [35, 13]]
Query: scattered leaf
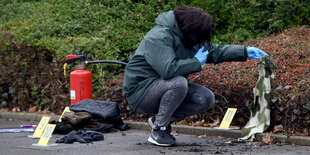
[[33, 109], [45, 111], [5, 110], [267, 139], [228, 142], [304, 133], [215, 123], [16, 109], [278, 128], [253, 143], [202, 136], [241, 119], [174, 133]]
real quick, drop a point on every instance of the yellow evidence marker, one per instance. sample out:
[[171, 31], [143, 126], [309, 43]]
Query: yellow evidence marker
[[46, 136], [230, 113], [66, 110], [41, 127]]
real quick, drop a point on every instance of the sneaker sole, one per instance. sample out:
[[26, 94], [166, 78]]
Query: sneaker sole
[[151, 140]]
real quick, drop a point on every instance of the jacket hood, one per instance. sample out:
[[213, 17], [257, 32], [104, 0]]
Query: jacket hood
[[167, 19], [195, 25]]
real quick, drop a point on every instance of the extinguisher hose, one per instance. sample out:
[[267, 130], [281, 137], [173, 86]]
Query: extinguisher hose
[[105, 61]]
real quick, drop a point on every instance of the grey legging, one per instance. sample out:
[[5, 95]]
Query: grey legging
[[174, 99]]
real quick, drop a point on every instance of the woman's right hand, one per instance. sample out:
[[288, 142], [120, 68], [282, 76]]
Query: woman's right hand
[[202, 55]]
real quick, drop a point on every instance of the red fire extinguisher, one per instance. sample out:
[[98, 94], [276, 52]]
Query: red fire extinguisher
[[80, 85], [81, 79]]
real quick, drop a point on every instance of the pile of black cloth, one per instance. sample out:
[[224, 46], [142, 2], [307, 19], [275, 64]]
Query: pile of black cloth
[[81, 136], [91, 115]]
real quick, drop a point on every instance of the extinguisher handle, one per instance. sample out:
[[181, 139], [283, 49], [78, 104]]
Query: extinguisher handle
[[72, 58]]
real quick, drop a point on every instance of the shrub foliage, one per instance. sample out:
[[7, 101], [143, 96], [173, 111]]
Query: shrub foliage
[[112, 29]]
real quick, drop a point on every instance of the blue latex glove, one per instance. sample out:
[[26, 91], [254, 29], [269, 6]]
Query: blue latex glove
[[255, 53], [202, 55]]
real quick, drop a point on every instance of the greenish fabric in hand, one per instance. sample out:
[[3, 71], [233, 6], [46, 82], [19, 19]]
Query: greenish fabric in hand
[[260, 109]]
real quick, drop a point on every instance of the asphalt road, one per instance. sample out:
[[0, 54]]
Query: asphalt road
[[135, 142]]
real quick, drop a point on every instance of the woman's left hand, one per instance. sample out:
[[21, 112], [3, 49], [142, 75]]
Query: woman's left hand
[[255, 53]]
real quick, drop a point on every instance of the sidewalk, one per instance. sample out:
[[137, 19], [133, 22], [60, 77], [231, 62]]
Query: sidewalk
[[182, 129]]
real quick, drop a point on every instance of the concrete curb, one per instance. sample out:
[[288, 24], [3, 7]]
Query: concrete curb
[[183, 129]]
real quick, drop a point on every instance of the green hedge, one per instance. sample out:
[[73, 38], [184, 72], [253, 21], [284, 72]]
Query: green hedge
[[112, 29]]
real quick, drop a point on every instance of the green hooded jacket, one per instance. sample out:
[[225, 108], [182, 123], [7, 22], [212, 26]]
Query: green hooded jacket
[[162, 55]]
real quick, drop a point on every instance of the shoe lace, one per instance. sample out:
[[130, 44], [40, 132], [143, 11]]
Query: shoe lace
[[164, 132]]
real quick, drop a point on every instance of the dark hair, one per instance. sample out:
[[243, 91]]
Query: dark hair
[[195, 25]]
